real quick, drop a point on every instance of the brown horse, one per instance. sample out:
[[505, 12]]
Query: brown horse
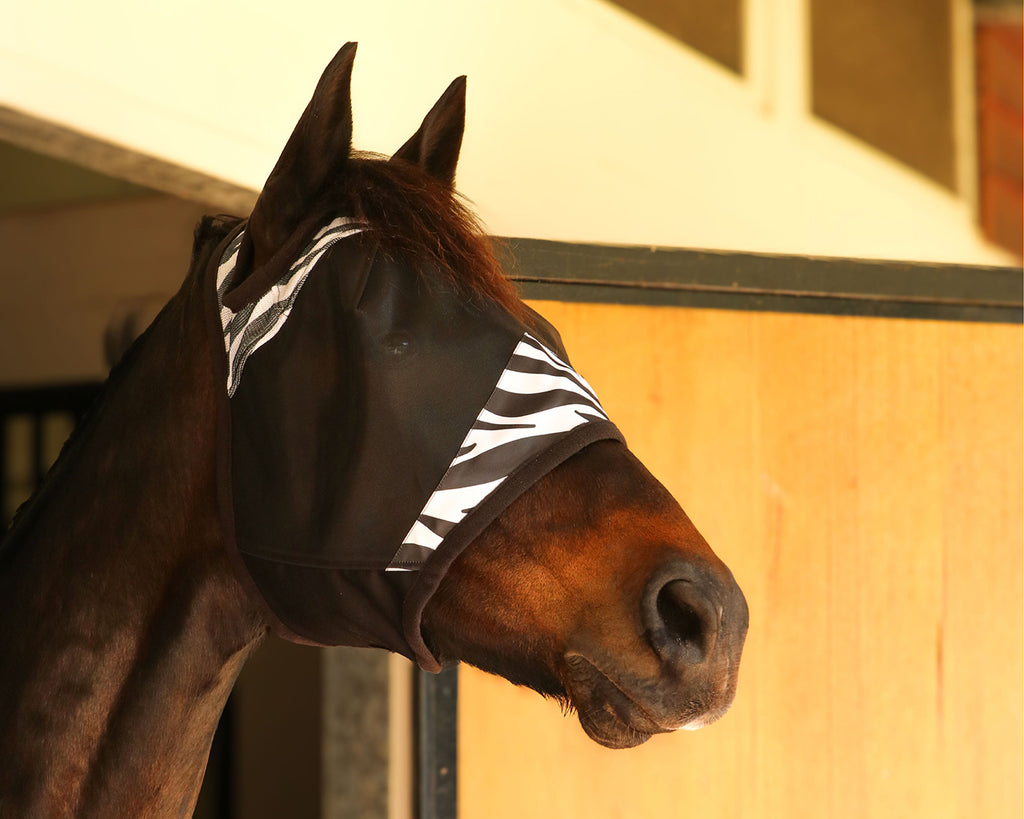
[[160, 550]]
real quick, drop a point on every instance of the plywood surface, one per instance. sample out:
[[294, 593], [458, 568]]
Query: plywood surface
[[863, 480]]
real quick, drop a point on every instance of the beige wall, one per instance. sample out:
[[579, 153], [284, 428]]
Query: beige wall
[[584, 124], [67, 272], [863, 480]]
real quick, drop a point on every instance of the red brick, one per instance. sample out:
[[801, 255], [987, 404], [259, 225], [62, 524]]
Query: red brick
[[1000, 72]]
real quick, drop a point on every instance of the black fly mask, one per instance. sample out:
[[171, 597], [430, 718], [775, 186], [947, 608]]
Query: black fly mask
[[378, 418]]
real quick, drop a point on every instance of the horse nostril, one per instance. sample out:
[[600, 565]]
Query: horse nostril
[[682, 623]]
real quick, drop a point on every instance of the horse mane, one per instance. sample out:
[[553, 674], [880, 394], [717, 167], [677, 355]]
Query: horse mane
[[423, 223]]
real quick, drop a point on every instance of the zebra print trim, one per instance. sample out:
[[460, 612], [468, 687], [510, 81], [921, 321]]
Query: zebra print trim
[[258, 322], [538, 399]]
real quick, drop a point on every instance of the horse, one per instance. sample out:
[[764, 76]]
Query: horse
[[234, 481]]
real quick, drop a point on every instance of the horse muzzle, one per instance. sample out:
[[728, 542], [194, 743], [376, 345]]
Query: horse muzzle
[[694, 623]]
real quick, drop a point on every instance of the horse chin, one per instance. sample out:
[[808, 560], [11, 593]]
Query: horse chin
[[625, 713], [611, 732], [609, 716]]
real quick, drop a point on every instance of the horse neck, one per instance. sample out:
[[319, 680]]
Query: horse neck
[[122, 624]]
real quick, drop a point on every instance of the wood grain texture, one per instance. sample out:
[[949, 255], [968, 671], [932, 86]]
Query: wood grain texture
[[863, 480]]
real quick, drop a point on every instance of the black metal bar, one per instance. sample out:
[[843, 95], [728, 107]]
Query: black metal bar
[[74, 398], [39, 464], [437, 744], [5, 513], [222, 755], [38, 403], [752, 281]]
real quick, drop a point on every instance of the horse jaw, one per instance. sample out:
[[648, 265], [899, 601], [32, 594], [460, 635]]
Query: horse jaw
[[564, 591]]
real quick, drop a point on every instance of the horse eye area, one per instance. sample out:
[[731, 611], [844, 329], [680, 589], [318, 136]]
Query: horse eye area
[[397, 344], [682, 623]]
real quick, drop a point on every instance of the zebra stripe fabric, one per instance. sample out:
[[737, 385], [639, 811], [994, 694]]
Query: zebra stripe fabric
[[537, 399], [255, 324]]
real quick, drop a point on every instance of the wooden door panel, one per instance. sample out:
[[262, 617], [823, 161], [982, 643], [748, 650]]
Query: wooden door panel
[[863, 480]]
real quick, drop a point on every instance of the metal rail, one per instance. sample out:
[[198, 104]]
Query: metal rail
[[437, 744], [563, 271]]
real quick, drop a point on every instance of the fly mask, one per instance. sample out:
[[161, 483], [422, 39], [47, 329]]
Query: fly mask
[[379, 421]]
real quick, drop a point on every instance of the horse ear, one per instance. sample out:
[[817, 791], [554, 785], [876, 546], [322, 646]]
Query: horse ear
[[313, 158], [435, 146]]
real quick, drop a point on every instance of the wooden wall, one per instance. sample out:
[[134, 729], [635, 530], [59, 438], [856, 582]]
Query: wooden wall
[[863, 479]]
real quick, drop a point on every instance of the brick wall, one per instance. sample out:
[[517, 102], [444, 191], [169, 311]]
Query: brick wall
[[1000, 131]]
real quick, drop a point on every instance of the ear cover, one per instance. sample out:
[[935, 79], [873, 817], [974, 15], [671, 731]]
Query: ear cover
[[436, 144], [312, 160]]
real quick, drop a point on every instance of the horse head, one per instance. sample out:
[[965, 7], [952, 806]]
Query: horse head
[[409, 460]]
